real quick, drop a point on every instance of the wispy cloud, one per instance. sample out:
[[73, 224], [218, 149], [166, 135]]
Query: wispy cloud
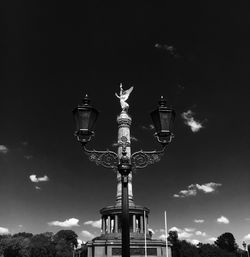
[[4, 231], [72, 222], [212, 239], [194, 188], [148, 127], [80, 242], [247, 237], [133, 138], [199, 221], [195, 241], [95, 224], [199, 233], [169, 49], [208, 187], [191, 122], [223, 220], [28, 157], [3, 149], [182, 233], [87, 234], [36, 179]]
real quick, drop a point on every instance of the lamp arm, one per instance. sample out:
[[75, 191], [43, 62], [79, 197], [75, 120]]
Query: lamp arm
[[107, 159], [142, 159]]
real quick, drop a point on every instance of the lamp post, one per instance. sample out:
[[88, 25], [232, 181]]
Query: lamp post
[[123, 161]]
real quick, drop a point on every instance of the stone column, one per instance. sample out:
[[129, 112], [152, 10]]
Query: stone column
[[124, 122], [134, 223], [141, 224], [109, 225], [103, 225], [116, 224]]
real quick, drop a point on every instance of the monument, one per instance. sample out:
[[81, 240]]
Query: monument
[[108, 244]]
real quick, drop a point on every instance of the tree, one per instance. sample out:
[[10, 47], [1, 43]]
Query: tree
[[42, 245], [173, 239], [208, 250], [23, 234], [226, 242], [187, 249], [17, 247], [65, 241], [69, 236]]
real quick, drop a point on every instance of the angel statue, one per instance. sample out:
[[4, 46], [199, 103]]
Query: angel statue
[[124, 95]]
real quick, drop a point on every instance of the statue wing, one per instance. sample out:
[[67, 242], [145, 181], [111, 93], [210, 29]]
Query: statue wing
[[126, 93]]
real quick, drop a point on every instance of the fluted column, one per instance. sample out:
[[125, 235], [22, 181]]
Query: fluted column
[[124, 141]]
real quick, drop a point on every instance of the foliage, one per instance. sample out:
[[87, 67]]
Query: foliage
[[17, 247], [182, 248], [42, 245], [69, 237], [226, 242], [208, 250]]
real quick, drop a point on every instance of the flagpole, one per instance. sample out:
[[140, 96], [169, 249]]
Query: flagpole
[[166, 233], [145, 234]]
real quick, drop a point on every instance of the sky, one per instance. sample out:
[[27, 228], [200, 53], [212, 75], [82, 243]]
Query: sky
[[196, 54]]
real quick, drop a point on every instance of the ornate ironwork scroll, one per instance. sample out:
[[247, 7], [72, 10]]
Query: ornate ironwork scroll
[[107, 159], [142, 159]]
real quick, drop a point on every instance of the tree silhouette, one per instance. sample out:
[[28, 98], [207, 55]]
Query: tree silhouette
[[226, 242]]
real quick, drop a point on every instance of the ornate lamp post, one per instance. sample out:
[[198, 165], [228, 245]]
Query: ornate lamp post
[[123, 161]]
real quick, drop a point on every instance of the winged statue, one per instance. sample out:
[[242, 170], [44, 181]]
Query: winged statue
[[124, 95]]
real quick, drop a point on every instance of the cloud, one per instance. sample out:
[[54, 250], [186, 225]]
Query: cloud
[[190, 121], [190, 191], [37, 188], [182, 233], [87, 234], [223, 219], [4, 231], [3, 149], [189, 229], [28, 157], [199, 233], [194, 188], [151, 230], [247, 237], [36, 179], [212, 239], [148, 127], [209, 187], [195, 241], [72, 222], [132, 138], [199, 221], [95, 224], [169, 49], [162, 237], [80, 242], [175, 229]]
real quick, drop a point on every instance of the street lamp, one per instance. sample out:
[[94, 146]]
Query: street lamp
[[123, 161]]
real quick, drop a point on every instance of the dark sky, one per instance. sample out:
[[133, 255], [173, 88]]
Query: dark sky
[[196, 54]]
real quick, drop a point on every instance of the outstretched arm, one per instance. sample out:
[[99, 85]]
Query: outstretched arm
[[117, 96]]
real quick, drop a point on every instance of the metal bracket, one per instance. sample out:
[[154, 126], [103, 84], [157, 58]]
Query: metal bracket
[[107, 159], [142, 159]]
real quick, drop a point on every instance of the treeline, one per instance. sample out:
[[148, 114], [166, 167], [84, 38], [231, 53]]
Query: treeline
[[224, 246], [46, 244], [62, 244]]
